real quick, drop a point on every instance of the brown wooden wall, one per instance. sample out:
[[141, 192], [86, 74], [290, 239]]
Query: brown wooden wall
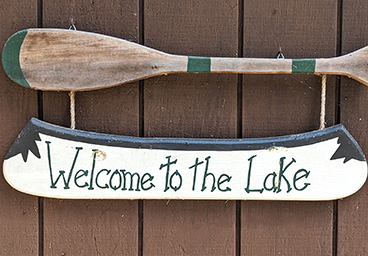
[[193, 105]]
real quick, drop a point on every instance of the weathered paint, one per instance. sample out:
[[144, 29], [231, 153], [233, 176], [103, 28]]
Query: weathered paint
[[10, 58], [199, 64], [303, 65], [66, 163]]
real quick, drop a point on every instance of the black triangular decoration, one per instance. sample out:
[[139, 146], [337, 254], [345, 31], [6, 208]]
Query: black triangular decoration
[[347, 149], [26, 141]]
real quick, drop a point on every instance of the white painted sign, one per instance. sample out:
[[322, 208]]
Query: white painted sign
[[53, 161]]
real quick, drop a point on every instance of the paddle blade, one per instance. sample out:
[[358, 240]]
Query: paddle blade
[[65, 60], [356, 65], [353, 65]]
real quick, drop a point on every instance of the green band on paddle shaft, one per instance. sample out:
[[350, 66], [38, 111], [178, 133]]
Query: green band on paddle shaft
[[304, 66], [199, 64], [10, 58]]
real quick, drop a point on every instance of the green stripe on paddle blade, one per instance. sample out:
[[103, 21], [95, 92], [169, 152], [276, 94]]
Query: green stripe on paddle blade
[[199, 64], [304, 66], [10, 58]]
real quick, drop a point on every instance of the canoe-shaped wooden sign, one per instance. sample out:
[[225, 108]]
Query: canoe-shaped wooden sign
[[52, 161]]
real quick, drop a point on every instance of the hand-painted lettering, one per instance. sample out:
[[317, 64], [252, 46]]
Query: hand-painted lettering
[[97, 176], [305, 175], [77, 176], [282, 176], [249, 174], [274, 181], [93, 168], [144, 181], [208, 174], [195, 172], [176, 176], [167, 172], [132, 175], [61, 173], [220, 180], [117, 181]]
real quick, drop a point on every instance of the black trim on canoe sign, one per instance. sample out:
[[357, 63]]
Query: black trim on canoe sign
[[26, 141]]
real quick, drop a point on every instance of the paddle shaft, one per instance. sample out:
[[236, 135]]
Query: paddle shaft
[[336, 66]]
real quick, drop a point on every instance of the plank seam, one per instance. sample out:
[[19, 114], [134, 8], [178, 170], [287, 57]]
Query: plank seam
[[337, 116], [141, 124], [239, 119], [40, 116]]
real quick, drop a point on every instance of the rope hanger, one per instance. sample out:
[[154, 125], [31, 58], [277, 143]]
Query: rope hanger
[[322, 116], [72, 93]]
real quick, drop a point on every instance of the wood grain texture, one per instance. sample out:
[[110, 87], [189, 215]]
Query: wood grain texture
[[57, 108], [18, 212], [251, 65], [59, 60], [275, 105], [113, 110], [286, 228], [79, 227], [207, 108], [190, 105], [353, 65], [288, 104], [352, 212], [189, 227]]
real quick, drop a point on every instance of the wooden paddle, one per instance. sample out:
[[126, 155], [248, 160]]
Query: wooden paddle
[[59, 60]]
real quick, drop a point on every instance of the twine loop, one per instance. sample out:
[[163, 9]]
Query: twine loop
[[322, 117]]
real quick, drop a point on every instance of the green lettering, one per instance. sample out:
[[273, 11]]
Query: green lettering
[[281, 175], [195, 172], [227, 178], [98, 174], [249, 174], [116, 172], [61, 173], [304, 175], [143, 181], [273, 181], [131, 180], [176, 188], [167, 171], [93, 168], [77, 176], [208, 174]]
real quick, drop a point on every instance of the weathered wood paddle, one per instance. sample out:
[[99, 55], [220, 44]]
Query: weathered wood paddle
[[55, 59]]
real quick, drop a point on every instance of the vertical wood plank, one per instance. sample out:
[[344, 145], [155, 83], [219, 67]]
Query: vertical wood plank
[[352, 211], [18, 211], [190, 105], [286, 228], [94, 227], [189, 227], [98, 227], [280, 105]]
